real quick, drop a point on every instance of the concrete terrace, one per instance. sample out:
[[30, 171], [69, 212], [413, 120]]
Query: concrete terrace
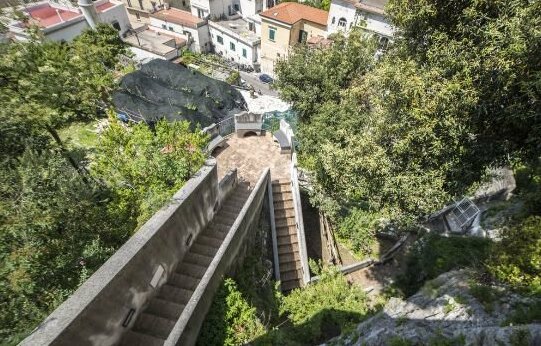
[[251, 155]]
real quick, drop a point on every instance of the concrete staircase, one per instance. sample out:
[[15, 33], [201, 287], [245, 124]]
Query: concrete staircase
[[155, 323], [286, 233]]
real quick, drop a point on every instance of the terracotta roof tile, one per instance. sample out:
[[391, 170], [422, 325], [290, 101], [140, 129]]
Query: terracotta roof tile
[[178, 17], [292, 12]]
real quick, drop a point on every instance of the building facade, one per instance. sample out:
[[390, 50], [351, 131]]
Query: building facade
[[286, 25], [236, 40], [184, 25], [368, 14], [62, 21]]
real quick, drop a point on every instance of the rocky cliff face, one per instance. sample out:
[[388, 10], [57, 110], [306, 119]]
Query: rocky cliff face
[[452, 309]]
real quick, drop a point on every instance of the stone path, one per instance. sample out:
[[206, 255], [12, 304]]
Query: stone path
[[251, 155]]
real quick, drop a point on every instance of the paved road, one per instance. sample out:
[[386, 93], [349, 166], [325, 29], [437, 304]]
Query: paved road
[[253, 79]]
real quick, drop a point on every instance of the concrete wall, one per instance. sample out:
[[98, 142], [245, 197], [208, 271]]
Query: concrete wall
[[94, 314], [231, 251], [271, 51], [118, 14]]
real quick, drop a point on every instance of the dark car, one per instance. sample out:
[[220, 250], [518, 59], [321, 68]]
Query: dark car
[[265, 78]]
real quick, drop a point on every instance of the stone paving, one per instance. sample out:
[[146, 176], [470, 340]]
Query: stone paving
[[251, 155]]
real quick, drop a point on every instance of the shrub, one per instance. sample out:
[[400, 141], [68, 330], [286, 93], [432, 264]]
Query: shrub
[[232, 319], [516, 260], [433, 255], [358, 230], [233, 78], [325, 308]]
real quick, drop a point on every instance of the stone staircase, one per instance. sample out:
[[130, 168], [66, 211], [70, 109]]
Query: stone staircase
[[155, 323], [286, 233]]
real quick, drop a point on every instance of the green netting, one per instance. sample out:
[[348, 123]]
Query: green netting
[[161, 89]]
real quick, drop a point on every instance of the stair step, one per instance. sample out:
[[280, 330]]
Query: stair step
[[209, 232], [203, 249], [234, 207], [222, 223], [208, 241], [286, 223], [154, 325], [191, 269], [288, 249], [175, 294], [287, 239], [183, 281], [133, 338], [283, 204], [164, 308], [288, 266], [282, 196], [284, 213], [291, 284], [284, 231], [288, 257], [198, 259], [281, 182], [287, 275]]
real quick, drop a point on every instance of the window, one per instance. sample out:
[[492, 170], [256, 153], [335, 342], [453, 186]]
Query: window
[[220, 39], [272, 33], [232, 46], [303, 35], [129, 3], [116, 25], [141, 4], [333, 20], [164, 26], [171, 28], [184, 3], [138, 16], [342, 22], [244, 52], [251, 26], [236, 7], [200, 13]]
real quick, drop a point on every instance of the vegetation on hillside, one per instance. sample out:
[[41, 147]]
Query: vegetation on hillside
[[403, 133], [249, 308], [63, 209]]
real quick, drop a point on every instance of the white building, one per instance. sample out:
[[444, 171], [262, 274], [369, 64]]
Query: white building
[[61, 21], [236, 40], [370, 14], [184, 25]]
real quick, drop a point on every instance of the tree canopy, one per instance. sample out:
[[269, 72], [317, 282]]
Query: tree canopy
[[458, 91]]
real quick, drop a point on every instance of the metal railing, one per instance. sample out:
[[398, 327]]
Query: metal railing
[[226, 127]]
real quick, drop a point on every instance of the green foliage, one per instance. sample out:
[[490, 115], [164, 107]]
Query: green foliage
[[528, 178], [433, 255], [517, 258], [147, 166], [485, 294], [55, 230], [233, 78], [232, 321], [457, 92], [525, 313], [330, 303], [358, 230]]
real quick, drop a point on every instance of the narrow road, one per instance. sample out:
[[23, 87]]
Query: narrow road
[[253, 80]]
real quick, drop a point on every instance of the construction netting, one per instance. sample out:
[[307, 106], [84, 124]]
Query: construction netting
[[162, 89]]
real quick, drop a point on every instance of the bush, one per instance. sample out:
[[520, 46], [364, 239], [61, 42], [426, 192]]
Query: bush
[[433, 255], [528, 180], [232, 319], [325, 308], [358, 230], [233, 78], [516, 260]]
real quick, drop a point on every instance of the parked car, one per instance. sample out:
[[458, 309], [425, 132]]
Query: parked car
[[265, 78]]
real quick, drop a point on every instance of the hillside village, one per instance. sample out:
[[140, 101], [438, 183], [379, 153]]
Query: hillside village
[[261, 172]]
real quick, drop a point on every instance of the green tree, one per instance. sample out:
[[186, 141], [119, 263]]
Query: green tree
[[144, 165], [517, 258], [457, 92]]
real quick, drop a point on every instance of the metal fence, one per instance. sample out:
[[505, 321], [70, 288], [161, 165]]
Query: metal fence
[[226, 127]]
